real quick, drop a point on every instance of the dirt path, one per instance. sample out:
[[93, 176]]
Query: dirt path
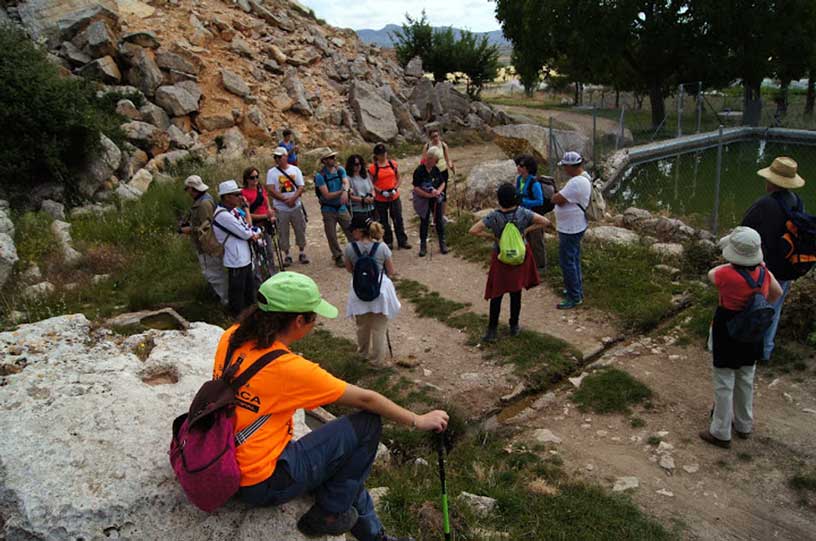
[[736, 494], [577, 121]]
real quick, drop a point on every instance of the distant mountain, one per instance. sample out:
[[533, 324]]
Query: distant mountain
[[381, 37]]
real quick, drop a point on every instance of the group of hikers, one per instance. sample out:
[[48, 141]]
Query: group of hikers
[[333, 461]]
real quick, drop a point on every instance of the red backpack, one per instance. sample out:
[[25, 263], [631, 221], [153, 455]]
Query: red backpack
[[202, 451]]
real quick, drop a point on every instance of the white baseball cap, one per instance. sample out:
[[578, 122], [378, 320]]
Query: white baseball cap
[[227, 187], [280, 151], [571, 158], [195, 182]]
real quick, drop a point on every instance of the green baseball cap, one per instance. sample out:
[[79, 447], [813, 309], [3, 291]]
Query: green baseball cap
[[293, 292]]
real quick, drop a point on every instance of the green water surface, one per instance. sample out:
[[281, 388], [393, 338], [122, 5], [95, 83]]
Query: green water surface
[[684, 185]]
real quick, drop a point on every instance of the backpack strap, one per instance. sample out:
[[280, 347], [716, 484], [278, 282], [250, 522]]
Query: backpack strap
[[221, 227], [256, 367], [259, 199], [798, 206], [751, 283], [356, 249], [373, 249]]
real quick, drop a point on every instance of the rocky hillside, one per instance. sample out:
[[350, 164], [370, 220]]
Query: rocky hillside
[[207, 77]]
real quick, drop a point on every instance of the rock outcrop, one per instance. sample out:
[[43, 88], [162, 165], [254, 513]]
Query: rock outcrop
[[484, 179], [374, 115], [533, 139], [86, 433]]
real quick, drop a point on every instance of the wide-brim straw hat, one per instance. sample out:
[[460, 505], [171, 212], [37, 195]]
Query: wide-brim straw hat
[[328, 154], [783, 173], [742, 247]]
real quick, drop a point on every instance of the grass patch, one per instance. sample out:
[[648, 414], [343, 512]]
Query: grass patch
[[33, 238], [637, 422], [610, 391], [654, 440], [468, 247], [805, 481], [534, 495], [541, 359]]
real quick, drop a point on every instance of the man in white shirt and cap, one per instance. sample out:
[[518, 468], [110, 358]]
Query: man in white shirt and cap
[[234, 233], [571, 203]]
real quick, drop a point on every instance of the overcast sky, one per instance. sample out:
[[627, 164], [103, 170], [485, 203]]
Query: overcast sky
[[475, 15]]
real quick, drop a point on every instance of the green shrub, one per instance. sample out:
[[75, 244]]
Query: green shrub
[[33, 237], [52, 124], [609, 391]]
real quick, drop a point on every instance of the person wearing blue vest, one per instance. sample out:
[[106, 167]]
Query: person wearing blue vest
[[332, 185], [531, 196], [288, 142]]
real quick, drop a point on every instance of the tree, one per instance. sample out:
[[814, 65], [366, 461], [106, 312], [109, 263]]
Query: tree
[[414, 39], [478, 60]]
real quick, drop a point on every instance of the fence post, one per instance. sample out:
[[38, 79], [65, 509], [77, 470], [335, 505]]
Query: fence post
[[715, 212], [619, 135], [551, 150], [594, 137], [699, 106], [679, 110]]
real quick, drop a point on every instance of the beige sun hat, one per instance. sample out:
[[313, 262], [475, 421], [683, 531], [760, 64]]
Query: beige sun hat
[[195, 182], [783, 173], [742, 247], [329, 153]]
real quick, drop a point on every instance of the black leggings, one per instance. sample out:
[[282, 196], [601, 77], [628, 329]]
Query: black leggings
[[515, 309]]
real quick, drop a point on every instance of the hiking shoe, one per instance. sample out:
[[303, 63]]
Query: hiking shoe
[[742, 435], [405, 245], [568, 304], [515, 330], [443, 247], [384, 537], [303, 259], [316, 522], [490, 335], [706, 436], [287, 261], [339, 261], [423, 249]]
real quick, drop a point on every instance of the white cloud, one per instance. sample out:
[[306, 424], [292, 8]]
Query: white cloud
[[476, 15]]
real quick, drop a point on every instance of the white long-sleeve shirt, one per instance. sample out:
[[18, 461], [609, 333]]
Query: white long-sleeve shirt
[[236, 245]]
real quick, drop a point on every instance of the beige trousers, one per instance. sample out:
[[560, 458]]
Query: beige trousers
[[371, 339]]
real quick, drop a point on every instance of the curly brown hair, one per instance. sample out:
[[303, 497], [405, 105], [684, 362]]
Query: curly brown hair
[[255, 325]]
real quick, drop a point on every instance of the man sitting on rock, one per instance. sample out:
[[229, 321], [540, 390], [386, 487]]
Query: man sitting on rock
[[332, 185], [199, 226], [333, 461]]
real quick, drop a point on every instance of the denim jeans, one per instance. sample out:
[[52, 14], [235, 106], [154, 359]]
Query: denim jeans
[[569, 256], [770, 334], [332, 462]]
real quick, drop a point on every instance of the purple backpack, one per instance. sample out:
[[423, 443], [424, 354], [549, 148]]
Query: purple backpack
[[202, 451]]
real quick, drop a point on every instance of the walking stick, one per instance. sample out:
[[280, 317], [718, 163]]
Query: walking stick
[[441, 454], [388, 340]]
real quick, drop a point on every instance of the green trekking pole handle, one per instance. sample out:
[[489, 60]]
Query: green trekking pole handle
[[441, 454]]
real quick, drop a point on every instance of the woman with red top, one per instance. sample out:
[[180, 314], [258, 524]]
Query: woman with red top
[[735, 361], [384, 174], [260, 211]]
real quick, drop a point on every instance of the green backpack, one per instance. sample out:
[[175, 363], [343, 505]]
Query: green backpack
[[511, 244]]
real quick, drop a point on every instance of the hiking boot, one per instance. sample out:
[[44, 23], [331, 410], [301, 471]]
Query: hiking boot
[[316, 522], [706, 436], [303, 259], [490, 335], [339, 261], [405, 245], [515, 330], [384, 537], [423, 249], [443, 247], [742, 435], [287, 261], [568, 304]]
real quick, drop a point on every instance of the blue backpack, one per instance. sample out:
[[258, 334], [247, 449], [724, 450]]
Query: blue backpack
[[366, 278], [750, 324]]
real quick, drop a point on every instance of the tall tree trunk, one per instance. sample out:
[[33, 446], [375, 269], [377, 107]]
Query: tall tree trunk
[[782, 98], [576, 100], [658, 107], [752, 103], [811, 92], [617, 99]]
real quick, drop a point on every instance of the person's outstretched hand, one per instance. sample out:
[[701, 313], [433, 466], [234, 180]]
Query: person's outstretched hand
[[436, 420]]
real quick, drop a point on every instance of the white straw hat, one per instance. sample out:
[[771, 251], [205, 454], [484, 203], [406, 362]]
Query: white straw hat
[[742, 247], [227, 187]]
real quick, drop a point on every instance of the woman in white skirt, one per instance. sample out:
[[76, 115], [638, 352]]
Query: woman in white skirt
[[371, 316]]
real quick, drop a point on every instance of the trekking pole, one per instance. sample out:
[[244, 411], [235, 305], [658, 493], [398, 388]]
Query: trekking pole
[[440, 449], [388, 340]]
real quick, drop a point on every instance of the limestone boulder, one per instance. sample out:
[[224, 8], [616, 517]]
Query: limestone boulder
[[54, 209], [103, 70], [162, 162], [177, 100], [452, 101], [73, 54], [62, 232], [533, 139], [233, 145], [297, 93], [234, 83], [179, 139], [141, 180], [218, 121], [177, 61], [405, 120], [667, 250], [484, 179], [146, 136], [85, 393], [145, 39], [100, 168], [128, 109], [612, 235], [254, 124], [414, 68], [8, 257], [374, 115], [98, 40], [144, 73], [153, 114], [426, 100]]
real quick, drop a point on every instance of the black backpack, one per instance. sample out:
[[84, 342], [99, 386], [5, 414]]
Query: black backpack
[[799, 238], [326, 178], [750, 324], [366, 278], [548, 188]]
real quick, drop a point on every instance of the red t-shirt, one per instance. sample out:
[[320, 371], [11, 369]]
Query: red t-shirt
[[734, 290], [386, 178], [250, 194]]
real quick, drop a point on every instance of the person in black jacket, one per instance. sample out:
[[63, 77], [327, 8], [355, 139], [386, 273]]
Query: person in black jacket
[[767, 217]]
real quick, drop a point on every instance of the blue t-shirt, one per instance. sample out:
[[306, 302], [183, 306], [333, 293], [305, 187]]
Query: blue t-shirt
[[333, 183], [537, 199], [290, 149]]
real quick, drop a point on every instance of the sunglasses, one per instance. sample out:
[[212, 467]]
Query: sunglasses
[[253, 176]]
